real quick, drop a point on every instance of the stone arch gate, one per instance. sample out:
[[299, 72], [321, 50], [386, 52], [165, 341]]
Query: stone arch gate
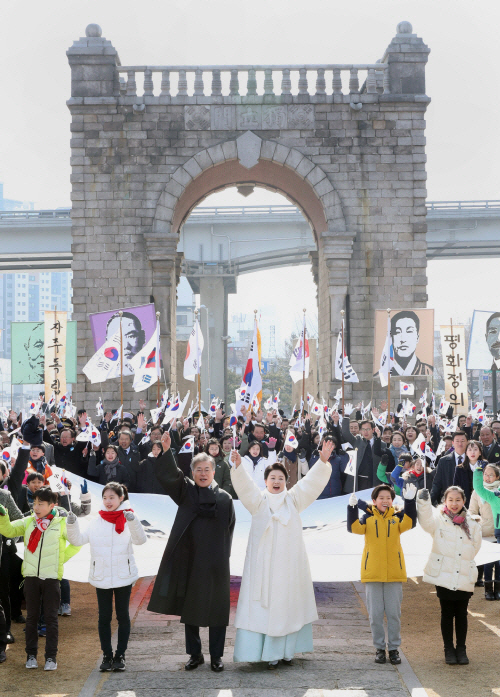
[[351, 156]]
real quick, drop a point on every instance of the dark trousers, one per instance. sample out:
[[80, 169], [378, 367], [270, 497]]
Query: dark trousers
[[216, 639], [11, 578], [65, 592], [454, 609], [105, 603], [47, 591], [3, 630]]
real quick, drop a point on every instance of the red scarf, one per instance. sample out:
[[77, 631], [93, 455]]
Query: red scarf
[[116, 517], [41, 525]]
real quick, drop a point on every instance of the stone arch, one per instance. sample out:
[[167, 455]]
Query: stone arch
[[273, 166], [250, 159]]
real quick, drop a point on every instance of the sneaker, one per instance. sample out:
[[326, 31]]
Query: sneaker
[[9, 638], [66, 610], [31, 662], [394, 657], [3, 656], [119, 663], [42, 630], [380, 656], [107, 664], [50, 664]]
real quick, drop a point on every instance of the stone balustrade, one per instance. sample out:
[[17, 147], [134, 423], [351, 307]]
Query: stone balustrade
[[231, 83]]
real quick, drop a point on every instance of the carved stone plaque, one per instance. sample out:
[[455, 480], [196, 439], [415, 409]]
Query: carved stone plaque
[[197, 117]]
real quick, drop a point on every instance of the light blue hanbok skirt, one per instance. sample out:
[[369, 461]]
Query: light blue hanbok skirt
[[252, 647]]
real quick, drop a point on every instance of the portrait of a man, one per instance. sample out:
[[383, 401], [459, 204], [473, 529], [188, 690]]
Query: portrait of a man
[[405, 333], [133, 336], [35, 354], [493, 335]]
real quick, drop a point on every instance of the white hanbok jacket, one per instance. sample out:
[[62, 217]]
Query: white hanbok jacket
[[256, 473], [277, 595]]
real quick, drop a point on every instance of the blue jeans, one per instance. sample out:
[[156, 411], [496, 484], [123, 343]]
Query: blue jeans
[[488, 568]]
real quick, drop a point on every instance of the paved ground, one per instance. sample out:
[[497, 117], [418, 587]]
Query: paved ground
[[341, 666]]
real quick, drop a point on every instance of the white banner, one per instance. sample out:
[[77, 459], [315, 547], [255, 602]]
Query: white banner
[[334, 554], [454, 367]]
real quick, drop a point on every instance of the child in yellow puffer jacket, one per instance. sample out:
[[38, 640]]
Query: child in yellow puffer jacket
[[383, 567], [46, 549]]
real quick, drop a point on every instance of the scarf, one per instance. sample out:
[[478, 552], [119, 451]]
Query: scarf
[[398, 451], [207, 502], [289, 456], [39, 465], [459, 519], [255, 459], [115, 517], [110, 468], [41, 525]]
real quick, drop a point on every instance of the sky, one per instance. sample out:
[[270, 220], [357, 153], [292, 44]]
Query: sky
[[462, 79]]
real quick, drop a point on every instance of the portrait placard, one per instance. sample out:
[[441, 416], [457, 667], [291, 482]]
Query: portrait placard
[[138, 325], [28, 353], [412, 333], [484, 341]]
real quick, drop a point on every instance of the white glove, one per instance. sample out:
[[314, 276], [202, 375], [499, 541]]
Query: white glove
[[353, 501], [348, 409], [71, 518], [129, 515], [409, 492]]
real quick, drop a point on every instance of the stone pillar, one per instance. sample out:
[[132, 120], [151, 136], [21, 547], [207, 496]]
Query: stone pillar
[[407, 55], [214, 292], [93, 61]]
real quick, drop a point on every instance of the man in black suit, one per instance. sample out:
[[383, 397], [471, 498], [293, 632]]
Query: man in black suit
[[491, 448], [367, 461], [445, 471]]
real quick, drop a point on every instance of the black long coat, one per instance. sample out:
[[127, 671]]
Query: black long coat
[[193, 578]]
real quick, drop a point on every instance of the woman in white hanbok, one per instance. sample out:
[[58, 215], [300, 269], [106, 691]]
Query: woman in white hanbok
[[276, 605]]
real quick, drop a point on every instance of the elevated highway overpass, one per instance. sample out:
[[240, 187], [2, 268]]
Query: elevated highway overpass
[[240, 239]]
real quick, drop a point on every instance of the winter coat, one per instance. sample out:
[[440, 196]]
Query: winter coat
[[480, 507], [488, 496], [256, 471], [51, 553], [277, 596], [296, 470], [8, 503], [98, 472], [223, 475], [68, 457], [445, 472], [451, 563], [383, 560], [409, 477], [112, 563], [360, 444], [147, 482], [337, 477], [193, 578]]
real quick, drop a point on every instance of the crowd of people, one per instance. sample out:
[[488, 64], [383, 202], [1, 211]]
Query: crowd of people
[[277, 466]]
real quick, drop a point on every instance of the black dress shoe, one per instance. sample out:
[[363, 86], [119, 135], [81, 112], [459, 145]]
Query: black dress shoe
[[9, 638], [3, 656], [20, 620], [194, 662], [216, 665], [380, 656]]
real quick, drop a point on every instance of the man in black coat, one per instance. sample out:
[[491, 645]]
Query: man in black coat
[[490, 447], [367, 461], [445, 470], [193, 578]]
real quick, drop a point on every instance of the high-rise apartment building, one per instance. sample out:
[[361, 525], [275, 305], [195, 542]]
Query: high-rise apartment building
[[24, 297]]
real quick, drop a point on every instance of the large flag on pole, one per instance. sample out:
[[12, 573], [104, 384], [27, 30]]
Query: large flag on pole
[[146, 363], [251, 383], [192, 362], [299, 360], [387, 357], [342, 363], [105, 363]]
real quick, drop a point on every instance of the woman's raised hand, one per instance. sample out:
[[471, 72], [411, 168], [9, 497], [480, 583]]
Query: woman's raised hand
[[166, 442], [235, 458], [326, 450]]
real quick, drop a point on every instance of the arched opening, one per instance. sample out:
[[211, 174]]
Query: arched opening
[[247, 247]]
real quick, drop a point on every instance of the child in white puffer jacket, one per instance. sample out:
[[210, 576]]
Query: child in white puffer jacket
[[112, 566], [451, 568]]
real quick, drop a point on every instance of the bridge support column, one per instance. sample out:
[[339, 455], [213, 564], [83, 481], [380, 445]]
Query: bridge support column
[[214, 291]]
